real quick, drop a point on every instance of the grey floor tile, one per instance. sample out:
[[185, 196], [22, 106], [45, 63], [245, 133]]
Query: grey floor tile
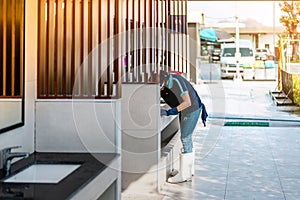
[[292, 195], [209, 183], [289, 171], [195, 190], [205, 170], [254, 184], [212, 160], [253, 195], [252, 171], [209, 195], [287, 159], [251, 168], [291, 185]]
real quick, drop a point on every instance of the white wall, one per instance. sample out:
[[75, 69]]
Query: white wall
[[78, 126], [140, 136], [262, 40], [24, 136], [248, 37], [11, 111], [268, 39]]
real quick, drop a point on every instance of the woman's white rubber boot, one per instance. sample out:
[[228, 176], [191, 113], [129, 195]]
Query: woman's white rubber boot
[[193, 164], [185, 169]]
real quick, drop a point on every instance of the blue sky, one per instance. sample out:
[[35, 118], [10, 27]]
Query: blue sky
[[261, 11]]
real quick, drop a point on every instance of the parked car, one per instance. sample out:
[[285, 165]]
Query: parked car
[[263, 54], [228, 58]]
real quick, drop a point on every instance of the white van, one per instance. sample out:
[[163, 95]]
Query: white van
[[228, 58]]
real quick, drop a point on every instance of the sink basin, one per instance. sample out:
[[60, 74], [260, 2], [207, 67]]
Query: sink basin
[[43, 173]]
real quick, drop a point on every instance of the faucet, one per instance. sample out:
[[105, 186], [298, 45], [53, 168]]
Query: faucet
[[7, 156]]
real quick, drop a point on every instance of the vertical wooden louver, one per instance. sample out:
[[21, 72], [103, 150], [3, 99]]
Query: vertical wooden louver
[[12, 48], [77, 55], [176, 36], [88, 48]]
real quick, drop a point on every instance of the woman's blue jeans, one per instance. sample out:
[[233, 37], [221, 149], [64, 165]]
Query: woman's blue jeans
[[187, 126]]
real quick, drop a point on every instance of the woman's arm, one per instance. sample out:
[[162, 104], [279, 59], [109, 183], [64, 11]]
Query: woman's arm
[[186, 102]]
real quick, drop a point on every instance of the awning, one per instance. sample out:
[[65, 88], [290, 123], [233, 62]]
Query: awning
[[215, 35]]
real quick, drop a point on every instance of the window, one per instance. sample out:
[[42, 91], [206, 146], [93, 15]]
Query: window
[[230, 52]]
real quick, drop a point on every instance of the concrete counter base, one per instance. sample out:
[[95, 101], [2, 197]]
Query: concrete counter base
[[153, 180]]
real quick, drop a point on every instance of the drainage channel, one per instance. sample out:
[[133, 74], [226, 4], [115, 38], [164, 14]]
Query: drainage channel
[[246, 123], [258, 122]]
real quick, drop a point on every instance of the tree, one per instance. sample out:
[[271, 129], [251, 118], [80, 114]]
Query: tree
[[290, 20]]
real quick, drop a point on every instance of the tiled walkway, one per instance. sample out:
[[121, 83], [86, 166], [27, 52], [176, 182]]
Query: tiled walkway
[[244, 163], [240, 162]]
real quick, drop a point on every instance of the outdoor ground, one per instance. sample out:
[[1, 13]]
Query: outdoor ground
[[244, 162]]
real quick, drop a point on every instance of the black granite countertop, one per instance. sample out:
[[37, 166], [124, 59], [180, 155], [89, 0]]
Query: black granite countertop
[[91, 165]]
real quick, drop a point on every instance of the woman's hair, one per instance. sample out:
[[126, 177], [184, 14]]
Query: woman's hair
[[163, 77]]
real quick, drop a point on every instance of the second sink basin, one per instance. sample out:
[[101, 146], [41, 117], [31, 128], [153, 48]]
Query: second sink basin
[[43, 173]]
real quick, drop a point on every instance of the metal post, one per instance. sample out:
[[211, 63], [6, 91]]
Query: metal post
[[238, 76]]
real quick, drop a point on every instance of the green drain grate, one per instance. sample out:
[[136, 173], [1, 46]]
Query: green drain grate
[[239, 123]]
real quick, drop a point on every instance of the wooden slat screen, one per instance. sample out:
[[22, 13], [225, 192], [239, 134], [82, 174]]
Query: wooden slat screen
[[77, 58], [76, 51], [136, 68], [176, 36], [12, 48], [170, 35], [154, 16]]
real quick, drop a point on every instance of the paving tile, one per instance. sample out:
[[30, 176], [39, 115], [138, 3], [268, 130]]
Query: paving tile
[[253, 195], [289, 171], [288, 158], [205, 184], [256, 172], [211, 167], [211, 172], [254, 184], [209, 195], [291, 185], [292, 195], [195, 190], [214, 158], [259, 188]]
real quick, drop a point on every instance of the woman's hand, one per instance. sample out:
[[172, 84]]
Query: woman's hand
[[172, 111]]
